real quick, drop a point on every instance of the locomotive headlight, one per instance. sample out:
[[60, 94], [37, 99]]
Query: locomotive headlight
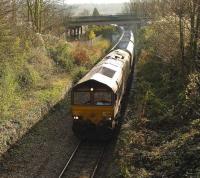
[[76, 117], [109, 118]]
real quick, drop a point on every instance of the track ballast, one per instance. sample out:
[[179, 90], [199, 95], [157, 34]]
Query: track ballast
[[84, 161]]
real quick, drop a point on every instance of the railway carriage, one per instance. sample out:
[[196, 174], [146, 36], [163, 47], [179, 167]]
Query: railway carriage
[[97, 96]]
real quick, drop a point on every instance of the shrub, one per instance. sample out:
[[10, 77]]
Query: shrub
[[102, 44], [29, 77], [155, 107], [62, 56], [78, 73], [39, 60], [91, 35], [9, 96], [102, 30], [81, 56], [189, 106]]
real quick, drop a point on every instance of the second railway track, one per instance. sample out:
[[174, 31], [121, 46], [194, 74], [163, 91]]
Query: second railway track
[[84, 161]]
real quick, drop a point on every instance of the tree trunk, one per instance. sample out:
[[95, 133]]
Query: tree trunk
[[192, 26], [197, 31], [14, 12], [30, 12], [40, 20], [182, 47], [36, 15]]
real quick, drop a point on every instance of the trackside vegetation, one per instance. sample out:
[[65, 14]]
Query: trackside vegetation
[[105, 31], [36, 71], [160, 137], [161, 133]]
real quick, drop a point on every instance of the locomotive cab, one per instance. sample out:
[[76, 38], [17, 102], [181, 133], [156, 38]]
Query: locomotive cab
[[92, 109]]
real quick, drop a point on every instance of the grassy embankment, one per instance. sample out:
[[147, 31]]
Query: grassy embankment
[[36, 71], [161, 133]]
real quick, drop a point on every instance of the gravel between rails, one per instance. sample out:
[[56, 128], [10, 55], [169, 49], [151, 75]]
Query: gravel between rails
[[85, 160]]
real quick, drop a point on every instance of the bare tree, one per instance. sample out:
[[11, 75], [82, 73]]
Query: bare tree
[[186, 14], [34, 10], [194, 15], [179, 7]]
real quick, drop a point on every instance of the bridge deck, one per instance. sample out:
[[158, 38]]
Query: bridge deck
[[109, 19]]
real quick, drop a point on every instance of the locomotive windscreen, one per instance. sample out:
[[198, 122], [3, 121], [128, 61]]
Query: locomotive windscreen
[[82, 98], [98, 98], [102, 98]]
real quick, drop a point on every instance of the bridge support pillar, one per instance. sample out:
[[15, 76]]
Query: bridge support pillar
[[71, 32], [81, 30], [74, 35], [75, 32]]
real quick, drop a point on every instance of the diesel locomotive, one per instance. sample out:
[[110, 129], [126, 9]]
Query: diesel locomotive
[[96, 98]]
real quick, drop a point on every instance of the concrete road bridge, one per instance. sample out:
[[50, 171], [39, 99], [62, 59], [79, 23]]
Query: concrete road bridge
[[75, 24], [106, 20]]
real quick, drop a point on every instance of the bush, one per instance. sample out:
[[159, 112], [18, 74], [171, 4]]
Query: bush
[[39, 60], [189, 106], [81, 55], [9, 95], [101, 30], [78, 73], [29, 77], [155, 106], [61, 55], [102, 44], [87, 55], [91, 35]]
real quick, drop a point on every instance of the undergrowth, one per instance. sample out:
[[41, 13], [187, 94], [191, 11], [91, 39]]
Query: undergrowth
[[159, 138], [35, 72], [29, 64], [161, 133]]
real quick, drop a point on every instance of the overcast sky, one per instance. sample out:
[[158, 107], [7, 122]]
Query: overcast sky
[[94, 1]]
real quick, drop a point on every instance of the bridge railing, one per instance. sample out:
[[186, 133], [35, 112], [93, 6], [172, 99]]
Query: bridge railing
[[106, 18]]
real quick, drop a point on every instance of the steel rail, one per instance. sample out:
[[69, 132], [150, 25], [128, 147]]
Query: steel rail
[[98, 162], [70, 159]]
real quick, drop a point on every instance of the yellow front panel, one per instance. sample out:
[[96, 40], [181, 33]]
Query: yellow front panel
[[93, 113]]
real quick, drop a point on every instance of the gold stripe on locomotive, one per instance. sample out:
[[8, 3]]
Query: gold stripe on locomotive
[[93, 113]]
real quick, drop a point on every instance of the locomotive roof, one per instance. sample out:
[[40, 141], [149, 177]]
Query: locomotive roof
[[128, 36], [109, 70]]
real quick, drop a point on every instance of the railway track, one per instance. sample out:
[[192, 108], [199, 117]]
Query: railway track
[[84, 161], [87, 156]]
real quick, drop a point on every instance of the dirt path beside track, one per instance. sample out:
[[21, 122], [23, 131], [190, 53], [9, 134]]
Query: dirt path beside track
[[43, 151]]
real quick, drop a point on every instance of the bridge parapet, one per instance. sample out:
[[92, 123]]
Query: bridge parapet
[[104, 20]]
